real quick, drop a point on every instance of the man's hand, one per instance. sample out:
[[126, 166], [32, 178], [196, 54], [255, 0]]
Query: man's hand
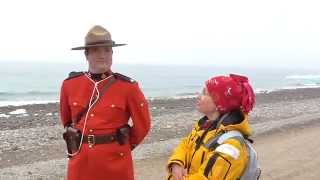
[[178, 172]]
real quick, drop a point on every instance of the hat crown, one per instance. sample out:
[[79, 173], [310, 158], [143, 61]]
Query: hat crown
[[97, 34]]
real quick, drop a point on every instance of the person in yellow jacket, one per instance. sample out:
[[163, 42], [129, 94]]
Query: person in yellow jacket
[[225, 102]]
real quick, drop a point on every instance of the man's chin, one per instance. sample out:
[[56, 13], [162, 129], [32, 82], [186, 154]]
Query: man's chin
[[101, 68]]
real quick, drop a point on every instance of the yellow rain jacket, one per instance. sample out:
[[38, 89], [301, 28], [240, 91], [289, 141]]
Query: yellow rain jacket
[[217, 162]]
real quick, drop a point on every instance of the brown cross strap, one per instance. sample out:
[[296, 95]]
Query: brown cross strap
[[103, 91]]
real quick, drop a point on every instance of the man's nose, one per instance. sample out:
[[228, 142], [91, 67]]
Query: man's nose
[[102, 53]]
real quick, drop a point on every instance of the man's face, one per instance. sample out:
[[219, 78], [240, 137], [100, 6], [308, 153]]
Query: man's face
[[99, 59]]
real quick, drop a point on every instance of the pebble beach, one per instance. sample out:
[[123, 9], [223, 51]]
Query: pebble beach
[[32, 147]]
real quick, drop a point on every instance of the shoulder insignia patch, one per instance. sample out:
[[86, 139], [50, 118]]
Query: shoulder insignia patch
[[124, 78], [74, 74]]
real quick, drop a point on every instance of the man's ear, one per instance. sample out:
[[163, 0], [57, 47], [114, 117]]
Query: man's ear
[[86, 53]]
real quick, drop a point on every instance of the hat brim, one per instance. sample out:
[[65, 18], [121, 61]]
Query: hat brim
[[97, 45]]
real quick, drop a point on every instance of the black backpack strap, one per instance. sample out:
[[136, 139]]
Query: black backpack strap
[[211, 163]]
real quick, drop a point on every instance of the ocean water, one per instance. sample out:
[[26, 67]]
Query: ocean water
[[39, 82]]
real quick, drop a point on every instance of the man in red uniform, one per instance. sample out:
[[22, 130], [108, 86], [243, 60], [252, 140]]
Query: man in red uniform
[[95, 108]]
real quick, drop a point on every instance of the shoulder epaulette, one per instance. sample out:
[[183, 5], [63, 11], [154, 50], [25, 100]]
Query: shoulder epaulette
[[124, 78], [74, 74]]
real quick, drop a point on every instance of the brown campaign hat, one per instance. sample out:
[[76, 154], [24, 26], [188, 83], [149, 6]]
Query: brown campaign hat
[[96, 37]]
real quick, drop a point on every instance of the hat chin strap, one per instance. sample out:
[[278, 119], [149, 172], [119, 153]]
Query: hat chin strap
[[98, 71]]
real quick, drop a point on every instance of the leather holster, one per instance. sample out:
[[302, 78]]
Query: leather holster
[[122, 134], [72, 136]]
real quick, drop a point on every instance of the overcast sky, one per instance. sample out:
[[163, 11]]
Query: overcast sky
[[237, 32]]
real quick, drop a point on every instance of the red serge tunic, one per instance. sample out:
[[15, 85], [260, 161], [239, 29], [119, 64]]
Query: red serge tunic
[[123, 100]]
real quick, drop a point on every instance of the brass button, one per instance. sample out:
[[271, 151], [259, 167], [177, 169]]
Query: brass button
[[121, 154], [74, 103], [141, 104], [90, 130], [91, 115], [112, 105]]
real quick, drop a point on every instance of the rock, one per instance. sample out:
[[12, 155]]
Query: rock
[[15, 148]]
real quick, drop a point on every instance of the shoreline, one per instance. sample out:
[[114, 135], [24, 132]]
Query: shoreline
[[6, 103], [32, 156]]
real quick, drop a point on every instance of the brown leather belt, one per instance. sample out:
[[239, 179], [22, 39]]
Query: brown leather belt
[[121, 135], [99, 139]]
